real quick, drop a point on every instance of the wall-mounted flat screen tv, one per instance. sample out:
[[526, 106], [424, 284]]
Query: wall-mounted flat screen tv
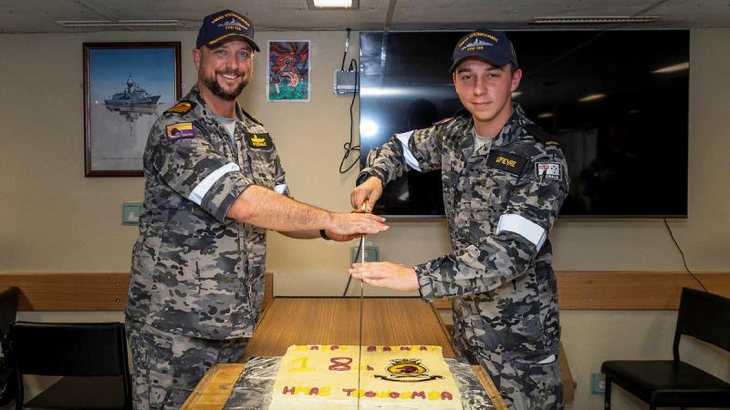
[[616, 101]]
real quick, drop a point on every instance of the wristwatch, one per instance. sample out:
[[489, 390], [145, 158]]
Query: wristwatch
[[324, 236]]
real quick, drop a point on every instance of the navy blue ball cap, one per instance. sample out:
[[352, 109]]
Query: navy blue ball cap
[[223, 25], [492, 46]]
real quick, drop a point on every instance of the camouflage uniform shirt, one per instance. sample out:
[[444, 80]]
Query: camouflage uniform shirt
[[196, 272], [501, 202]]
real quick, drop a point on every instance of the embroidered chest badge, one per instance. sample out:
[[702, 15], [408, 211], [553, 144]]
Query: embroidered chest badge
[[549, 170], [506, 162], [179, 131], [258, 140]]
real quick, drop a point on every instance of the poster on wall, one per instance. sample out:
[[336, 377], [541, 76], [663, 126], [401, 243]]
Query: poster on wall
[[288, 71], [126, 87]]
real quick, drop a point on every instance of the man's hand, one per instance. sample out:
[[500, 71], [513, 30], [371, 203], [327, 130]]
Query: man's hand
[[366, 193], [344, 227], [386, 275]]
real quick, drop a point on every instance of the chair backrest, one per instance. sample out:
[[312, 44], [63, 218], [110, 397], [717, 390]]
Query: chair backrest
[[8, 310], [704, 316], [70, 349]]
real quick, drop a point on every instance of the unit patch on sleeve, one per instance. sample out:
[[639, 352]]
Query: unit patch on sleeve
[[549, 170], [259, 140], [179, 131], [182, 107], [506, 162]]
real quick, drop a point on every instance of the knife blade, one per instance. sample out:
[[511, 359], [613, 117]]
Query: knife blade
[[359, 343], [363, 209]]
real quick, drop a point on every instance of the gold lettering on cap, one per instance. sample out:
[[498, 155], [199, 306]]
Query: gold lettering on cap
[[478, 34]]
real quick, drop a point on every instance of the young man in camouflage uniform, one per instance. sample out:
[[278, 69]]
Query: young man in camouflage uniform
[[214, 185], [503, 182]]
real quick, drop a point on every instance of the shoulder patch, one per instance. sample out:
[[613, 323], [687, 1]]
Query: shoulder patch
[[548, 170], [514, 164], [182, 107], [260, 140], [540, 134], [179, 131]]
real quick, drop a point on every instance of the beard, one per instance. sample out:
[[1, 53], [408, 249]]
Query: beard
[[212, 84]]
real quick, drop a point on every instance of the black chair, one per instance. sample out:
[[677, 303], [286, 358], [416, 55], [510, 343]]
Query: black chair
[[674, 383], [92, 357], [8, 310]]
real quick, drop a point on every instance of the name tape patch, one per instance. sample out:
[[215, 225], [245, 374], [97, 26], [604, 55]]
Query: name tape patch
[[179, 131], [506, 162], [549, 170], [259, 140]]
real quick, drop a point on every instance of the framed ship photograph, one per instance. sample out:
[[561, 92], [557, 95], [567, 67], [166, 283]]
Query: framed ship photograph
[[127, 86]]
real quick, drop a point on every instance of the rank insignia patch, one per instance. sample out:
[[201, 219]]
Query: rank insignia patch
[[179, 131], [506, 162], [182, 107], [259, 140], [549, 170]]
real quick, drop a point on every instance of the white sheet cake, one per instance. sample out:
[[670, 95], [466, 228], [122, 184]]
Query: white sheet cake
[[326, 377]]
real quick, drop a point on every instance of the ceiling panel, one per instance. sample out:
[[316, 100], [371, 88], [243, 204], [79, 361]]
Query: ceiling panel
[[40, 16]]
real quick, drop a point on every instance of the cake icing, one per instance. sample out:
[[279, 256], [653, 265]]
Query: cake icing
[[326, 377]]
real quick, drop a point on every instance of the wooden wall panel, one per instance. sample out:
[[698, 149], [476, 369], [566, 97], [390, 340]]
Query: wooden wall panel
[[627, 290], [577, 290], [69, 291]]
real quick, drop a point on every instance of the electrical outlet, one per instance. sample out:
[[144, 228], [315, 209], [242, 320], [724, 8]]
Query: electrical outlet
[[598, 383], [372, 254]]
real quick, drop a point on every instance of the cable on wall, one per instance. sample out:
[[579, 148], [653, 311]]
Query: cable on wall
[[348, 146], [682, 253], [347, 47]]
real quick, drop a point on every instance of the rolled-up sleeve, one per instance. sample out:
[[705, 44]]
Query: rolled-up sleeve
[[196, 171], [416, 149], [507, 251]]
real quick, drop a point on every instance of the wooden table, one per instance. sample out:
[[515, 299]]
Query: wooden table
[[288, 321]]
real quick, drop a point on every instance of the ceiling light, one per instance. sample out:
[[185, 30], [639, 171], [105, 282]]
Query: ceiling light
[[516, 94], [545, 115], [594, 19], [592, 97], [673, 68], [333, 4], [118, 23]]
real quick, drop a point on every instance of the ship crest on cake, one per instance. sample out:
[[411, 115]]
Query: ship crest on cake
[[408, 371]]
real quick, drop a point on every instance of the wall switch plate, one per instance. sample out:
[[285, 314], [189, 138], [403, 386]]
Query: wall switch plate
[[598, 383], [372, 254], [131, 213]]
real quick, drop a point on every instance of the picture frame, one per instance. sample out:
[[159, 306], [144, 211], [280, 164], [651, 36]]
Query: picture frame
[[127, 86], [287, 71]]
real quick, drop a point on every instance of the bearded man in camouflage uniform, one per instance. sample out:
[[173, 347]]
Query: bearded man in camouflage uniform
[[214, 185], [503, 183]]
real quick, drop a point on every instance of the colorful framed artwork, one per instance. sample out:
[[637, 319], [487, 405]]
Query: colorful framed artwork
[[126, 87], [288, 70]]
